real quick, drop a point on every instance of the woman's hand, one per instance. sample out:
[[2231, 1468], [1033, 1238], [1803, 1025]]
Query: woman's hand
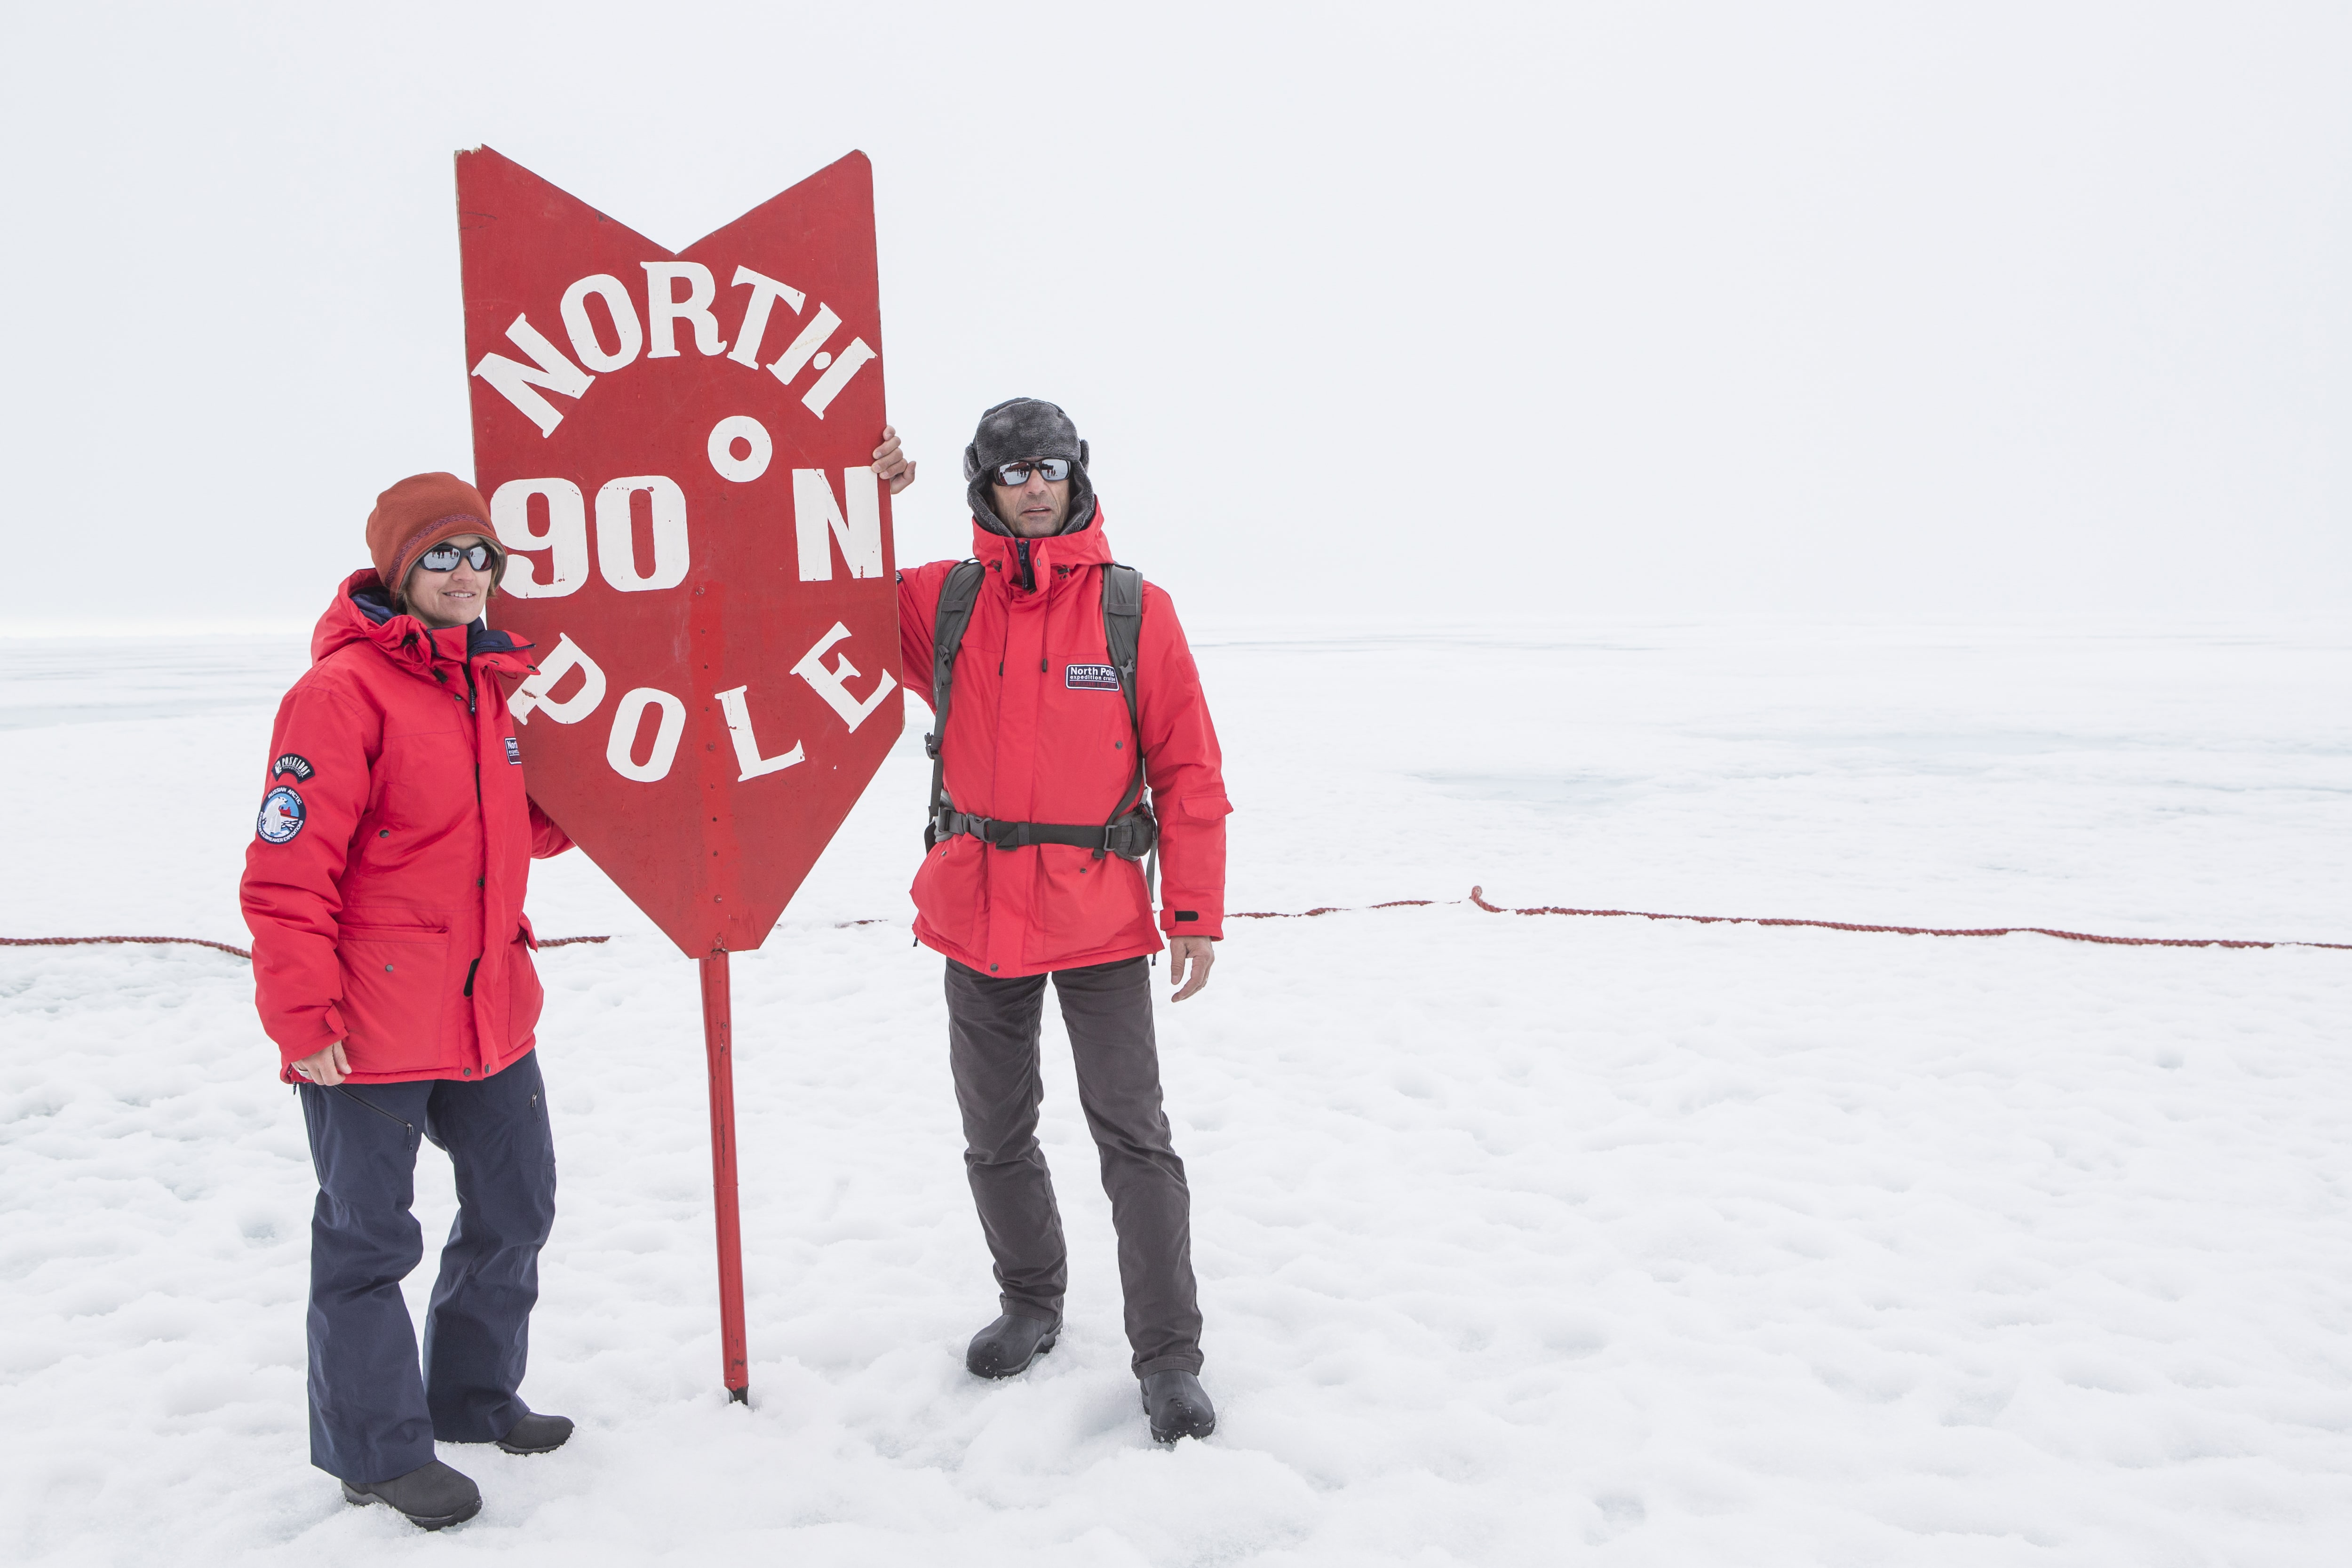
[[326, 1069]]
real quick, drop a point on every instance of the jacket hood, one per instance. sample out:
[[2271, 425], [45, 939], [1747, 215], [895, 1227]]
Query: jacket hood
[[1065, 551], [362, 612]]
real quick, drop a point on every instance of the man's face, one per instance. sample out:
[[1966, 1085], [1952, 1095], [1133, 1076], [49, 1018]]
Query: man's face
[[1035, 508]]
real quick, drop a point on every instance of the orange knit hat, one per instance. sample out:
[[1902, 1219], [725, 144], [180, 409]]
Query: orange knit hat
[[419, 512]]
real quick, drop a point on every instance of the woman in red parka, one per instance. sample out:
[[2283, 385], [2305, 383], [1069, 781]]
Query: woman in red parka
[[392, 966]]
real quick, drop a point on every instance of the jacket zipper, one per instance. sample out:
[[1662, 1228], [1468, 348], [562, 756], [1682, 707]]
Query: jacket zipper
[[1028, 573], [474, 745], [470, 712]]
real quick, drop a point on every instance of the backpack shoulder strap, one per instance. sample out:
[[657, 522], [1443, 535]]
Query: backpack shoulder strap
[[1123, 592], [957, 596], [1122, 613]]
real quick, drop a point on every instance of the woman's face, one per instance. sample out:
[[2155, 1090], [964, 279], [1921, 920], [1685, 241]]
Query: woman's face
[[448, 598]]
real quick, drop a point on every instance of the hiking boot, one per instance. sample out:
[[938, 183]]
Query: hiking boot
[[536, 1435], [431, 1496], [1008, 1345], [1178, 1405]]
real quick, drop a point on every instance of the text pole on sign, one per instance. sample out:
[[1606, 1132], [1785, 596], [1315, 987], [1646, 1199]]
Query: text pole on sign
[[676, 447]]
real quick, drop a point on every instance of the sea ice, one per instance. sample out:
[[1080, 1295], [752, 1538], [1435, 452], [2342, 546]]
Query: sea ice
[[1519, 1238]]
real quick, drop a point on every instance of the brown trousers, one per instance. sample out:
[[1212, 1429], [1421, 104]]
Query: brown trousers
[[992, 1033]]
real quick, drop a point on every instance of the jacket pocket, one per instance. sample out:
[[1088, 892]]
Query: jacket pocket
[[1207, 807], [1084, 905], [525, 995], [395, 979], [951, 890]]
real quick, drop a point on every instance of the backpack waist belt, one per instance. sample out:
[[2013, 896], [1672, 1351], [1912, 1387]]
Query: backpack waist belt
[[1130, 837]]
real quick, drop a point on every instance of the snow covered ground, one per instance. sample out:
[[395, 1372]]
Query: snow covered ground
[[1521, 1240]]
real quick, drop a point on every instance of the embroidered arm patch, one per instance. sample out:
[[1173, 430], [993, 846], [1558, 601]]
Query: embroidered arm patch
[[282, 813]]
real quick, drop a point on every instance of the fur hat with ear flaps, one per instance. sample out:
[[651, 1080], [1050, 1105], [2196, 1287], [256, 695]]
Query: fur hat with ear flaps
[[1026, 427]]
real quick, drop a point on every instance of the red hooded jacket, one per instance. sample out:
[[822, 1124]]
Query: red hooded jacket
[[1029, 740], [385, 883]]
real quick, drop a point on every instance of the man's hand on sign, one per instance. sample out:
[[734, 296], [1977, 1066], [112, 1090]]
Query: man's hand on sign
[[889, 465], [331, 1066], [1195, 953]]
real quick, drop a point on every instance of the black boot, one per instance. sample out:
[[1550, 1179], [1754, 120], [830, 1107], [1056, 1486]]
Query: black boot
[[1008, 1345], [1178, 1405], [431, 1496], [536, 1435]]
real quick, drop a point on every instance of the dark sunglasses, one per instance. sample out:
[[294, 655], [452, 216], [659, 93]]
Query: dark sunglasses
[[1055, 471], [445, 557]]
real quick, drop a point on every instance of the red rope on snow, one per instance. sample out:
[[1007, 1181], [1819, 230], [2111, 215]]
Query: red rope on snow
[[200, 941], [1477, 897], [151, 940], [1330, 910]]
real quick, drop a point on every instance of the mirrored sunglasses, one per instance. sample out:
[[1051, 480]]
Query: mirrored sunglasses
[[1055, 471], [445, 557]]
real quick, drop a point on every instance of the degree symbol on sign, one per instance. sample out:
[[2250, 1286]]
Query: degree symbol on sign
[[752, 434]]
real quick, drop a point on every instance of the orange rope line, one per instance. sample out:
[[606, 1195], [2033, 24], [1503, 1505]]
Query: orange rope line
[[1477, 896], [201, 942]]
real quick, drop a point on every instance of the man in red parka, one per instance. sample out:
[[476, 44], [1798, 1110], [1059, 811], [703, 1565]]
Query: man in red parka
[[1035, 871], [392, 966]]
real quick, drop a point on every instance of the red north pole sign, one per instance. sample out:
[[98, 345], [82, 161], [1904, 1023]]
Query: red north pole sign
[[676, 450], [675, 447]]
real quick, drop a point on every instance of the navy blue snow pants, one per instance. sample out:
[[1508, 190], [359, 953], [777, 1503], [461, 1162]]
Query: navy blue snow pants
[[373, 1416]]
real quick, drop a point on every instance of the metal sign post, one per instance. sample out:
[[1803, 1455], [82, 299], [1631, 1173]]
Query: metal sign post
[[718, 1030], [675, 445]]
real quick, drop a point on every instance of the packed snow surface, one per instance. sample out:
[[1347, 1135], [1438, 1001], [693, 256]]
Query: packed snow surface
[[1521, 1240]]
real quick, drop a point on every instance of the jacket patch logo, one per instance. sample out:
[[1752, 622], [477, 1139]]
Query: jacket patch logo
[[514, 751], [1090, 677], [281, 814], [300, 766]]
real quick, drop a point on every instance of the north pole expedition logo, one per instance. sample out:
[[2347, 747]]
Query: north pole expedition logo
[[281, 816]]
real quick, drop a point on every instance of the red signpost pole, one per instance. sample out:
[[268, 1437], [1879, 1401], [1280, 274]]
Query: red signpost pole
[[719, 1042]]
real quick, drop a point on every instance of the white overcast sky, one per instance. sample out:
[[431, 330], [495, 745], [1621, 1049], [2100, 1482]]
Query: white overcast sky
[[1371, 313]]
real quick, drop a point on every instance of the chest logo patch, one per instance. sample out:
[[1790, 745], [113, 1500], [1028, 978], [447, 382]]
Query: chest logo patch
[[295, 764], [281, 814], [1090, 677], [514, 751]]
